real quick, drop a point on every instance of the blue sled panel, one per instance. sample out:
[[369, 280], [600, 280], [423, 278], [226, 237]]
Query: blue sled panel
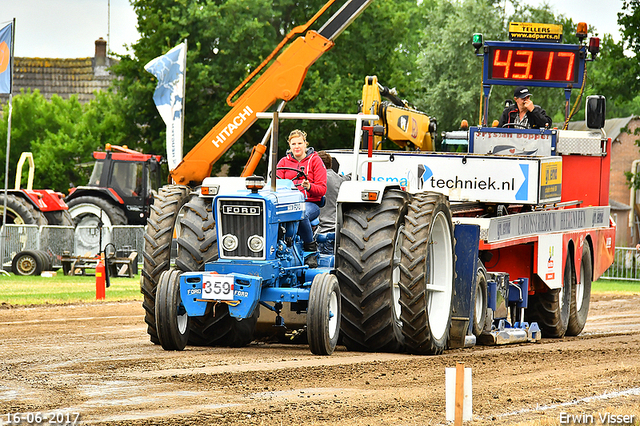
[[467, 240]]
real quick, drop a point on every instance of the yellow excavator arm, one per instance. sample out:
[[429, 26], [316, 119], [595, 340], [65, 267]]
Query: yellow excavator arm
[[405, 126], [281, 80]]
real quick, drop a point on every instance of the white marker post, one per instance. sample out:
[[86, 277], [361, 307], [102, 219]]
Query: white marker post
[[458, 394]]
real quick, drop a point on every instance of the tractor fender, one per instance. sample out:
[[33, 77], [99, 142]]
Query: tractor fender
[[352, 191], [44, 200], [106, 193]]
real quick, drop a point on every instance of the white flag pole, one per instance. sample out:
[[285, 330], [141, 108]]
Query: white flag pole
[[184, 95], [3, 232]]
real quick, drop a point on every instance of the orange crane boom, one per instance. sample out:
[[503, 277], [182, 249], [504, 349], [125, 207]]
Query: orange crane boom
[[282, 80]]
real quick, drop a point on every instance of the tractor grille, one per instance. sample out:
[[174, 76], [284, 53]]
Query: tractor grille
[[243, 219]]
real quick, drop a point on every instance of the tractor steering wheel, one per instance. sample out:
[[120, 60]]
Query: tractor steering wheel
[[300, 173], [519, 126]]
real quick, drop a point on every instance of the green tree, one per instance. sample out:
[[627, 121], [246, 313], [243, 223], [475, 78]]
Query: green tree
[[629, 21], [61, 134], [450, 73], [229, 38], [614, 75]]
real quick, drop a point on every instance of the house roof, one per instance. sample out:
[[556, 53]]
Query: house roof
[[612, 126], [616, 205], [64, 77]]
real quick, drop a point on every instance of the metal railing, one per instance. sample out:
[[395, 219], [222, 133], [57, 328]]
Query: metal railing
[[625, 266], [84, 241], [81, 241]]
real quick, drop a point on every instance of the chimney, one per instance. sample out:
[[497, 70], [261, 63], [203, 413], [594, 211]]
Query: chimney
[[101, 52]]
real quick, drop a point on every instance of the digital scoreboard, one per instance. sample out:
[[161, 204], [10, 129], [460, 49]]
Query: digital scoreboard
[[534, 64]]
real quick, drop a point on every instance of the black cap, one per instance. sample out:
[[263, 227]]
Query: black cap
[[521, 92]]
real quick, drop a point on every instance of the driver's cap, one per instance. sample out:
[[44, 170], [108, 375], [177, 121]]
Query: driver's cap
[[521, 92]]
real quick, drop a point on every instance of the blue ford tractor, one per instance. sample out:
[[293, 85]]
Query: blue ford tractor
[[404, 275], [260, 262]]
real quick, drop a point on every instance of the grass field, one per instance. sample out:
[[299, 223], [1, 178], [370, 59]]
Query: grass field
[[60, 289], [614, 286]]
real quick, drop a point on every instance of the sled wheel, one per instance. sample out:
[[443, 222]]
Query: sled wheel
[[323, 314], [172, 321], [480, 309], [581, 295], [551, 309]]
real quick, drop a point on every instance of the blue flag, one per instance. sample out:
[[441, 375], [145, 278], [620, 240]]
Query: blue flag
[[169, 97], [5, 58]]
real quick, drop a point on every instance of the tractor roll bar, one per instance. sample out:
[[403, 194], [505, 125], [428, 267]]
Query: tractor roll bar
[[359, 118]]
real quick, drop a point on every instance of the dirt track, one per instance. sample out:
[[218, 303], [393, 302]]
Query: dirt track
[[96, 360]]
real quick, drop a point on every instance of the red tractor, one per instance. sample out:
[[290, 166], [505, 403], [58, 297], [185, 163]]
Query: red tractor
[[30, 206], [120, 190]]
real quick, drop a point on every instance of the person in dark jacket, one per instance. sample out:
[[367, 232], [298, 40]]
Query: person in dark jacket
[[327, 218], [524, 114], [334, 180], [301, 157]]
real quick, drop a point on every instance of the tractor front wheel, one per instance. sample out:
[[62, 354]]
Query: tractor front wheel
[[172, 321], [323, 314]]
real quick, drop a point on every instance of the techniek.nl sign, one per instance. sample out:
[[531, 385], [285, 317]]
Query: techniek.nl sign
[[462, 178]]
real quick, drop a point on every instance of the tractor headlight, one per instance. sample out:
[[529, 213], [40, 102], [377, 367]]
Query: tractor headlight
[[256, 243], [230, 242]]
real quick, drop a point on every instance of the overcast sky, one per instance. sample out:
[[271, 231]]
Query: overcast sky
[[69, 28]]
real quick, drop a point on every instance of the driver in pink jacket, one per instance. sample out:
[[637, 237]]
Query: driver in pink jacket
[[301, 157]]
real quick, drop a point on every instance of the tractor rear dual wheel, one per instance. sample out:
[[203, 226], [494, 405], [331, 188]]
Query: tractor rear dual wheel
[[367, 262], [427, 274], [157, 247], [21, 212]]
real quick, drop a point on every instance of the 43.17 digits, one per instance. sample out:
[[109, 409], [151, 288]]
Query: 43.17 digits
[[57, 418], [534, 65]]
